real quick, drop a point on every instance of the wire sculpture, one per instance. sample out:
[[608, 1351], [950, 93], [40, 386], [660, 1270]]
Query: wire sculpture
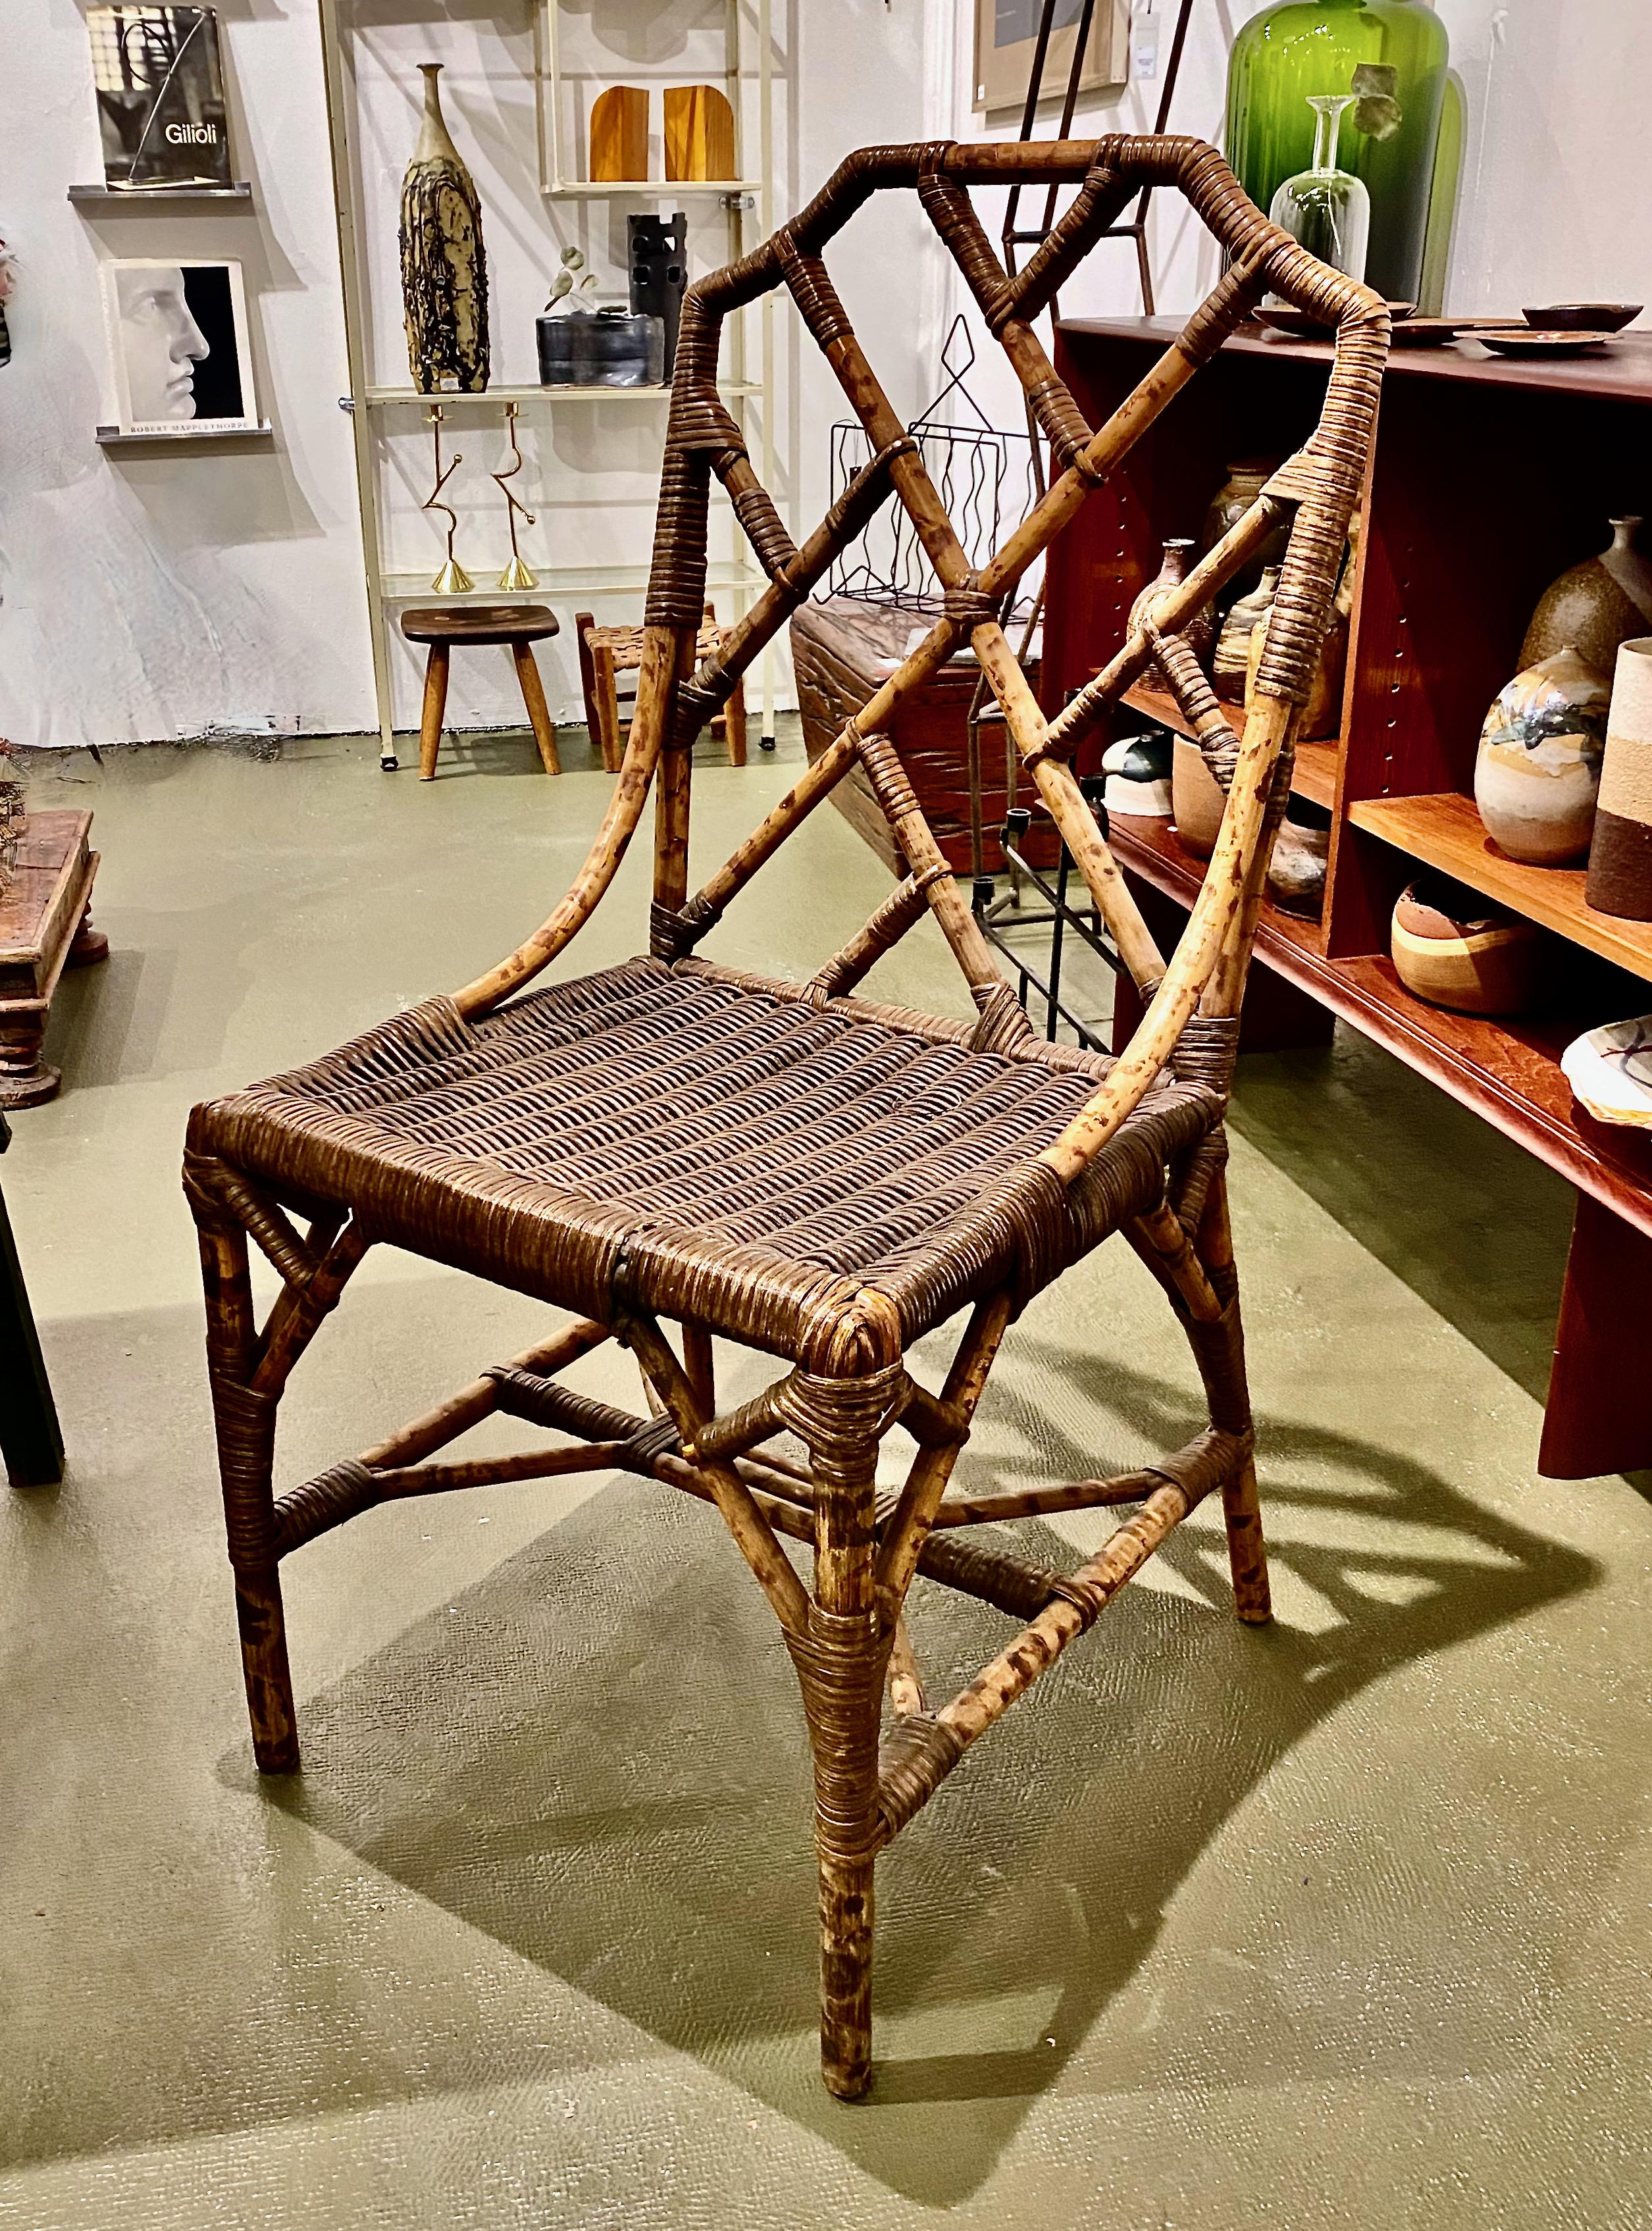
[[518, 574], [452, 580], [981, 473]]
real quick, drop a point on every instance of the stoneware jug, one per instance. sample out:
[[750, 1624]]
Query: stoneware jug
[[1538, 775]]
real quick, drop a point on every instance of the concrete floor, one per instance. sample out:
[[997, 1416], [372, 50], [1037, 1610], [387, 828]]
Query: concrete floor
[[1343, 1922]]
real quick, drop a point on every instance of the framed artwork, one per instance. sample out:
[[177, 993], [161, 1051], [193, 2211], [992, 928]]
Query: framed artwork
[[1007, 39], [178, 338], [160, 96]]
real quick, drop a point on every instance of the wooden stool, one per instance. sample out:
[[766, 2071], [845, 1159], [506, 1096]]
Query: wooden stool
[[607, 652], [520, 626]]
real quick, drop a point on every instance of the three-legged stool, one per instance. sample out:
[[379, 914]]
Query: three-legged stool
[[519, 627]]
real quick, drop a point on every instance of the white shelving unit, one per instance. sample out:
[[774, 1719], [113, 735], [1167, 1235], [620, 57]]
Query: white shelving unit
[[375, 408]]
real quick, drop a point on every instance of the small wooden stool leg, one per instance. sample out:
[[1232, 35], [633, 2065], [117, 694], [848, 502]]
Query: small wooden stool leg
[[429, 719], [735, 724], [539, 713]]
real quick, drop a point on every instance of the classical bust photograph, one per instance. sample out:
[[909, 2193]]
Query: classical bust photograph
[[177, 333]]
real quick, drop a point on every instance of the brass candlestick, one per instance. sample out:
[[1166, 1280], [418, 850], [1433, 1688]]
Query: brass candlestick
[[517, 574], [452, 580]]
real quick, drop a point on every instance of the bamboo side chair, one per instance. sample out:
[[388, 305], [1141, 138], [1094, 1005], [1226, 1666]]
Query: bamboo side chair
[[816, 1175]]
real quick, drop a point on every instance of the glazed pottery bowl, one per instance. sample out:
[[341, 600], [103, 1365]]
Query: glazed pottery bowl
[[1610, 1071], [1584, 317], [1454, 949]]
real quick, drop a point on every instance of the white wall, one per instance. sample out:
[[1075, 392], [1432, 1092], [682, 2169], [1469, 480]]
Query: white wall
[[155, 596], [147, 596]]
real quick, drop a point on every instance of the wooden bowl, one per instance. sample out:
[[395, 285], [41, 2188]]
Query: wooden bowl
[[1455, 950], [1584, 317]]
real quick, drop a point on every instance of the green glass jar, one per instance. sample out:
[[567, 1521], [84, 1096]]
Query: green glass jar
[[1392, 55]]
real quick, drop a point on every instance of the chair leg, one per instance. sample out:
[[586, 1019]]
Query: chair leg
[[841, 1662], [246, 1437], [539, 713], [434, 705], [605, 691], [735, 725], [583, 624], [1220, 1350]]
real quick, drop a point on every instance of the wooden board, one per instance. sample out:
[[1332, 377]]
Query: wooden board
[[1445, 831], [699, 133], [620, 133]]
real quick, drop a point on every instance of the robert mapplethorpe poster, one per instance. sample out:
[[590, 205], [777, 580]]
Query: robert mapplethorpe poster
[[160, 96], [178, 336]]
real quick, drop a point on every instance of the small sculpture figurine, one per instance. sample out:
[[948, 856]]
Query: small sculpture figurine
[[517, 574], [444, 270], [452, 580]]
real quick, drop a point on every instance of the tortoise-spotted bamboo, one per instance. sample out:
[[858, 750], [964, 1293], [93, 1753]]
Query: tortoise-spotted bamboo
[[819, 1176]]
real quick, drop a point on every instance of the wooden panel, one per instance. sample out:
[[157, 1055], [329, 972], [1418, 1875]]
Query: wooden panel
[[1315, 773], [1598, 1418], [1447, 833], [699, 133], [620, 133]]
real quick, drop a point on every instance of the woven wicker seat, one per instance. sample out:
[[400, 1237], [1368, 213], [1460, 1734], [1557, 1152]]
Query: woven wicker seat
[[753, 1157], [793, 1166]]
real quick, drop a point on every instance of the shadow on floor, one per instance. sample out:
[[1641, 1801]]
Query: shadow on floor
[[597, 1756]]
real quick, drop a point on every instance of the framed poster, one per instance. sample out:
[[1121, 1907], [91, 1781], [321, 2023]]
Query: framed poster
[[160, 96], [178, 338], [1007, 40]]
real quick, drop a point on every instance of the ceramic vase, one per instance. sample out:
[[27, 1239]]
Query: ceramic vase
[[1620, 857], [444, 270], [1231, 660], [1391, 56], [1246, 480], [1137, 775], [1200, 630], [1301, 858], [1454, 949], [1538, 774], [1595, 606], [1197, 801]]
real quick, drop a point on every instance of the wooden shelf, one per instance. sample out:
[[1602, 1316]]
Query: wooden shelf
[[1445, 831], [1506, 1070], [1150, 848], [1315, 775], [106, 196], [112, 437], [383, 398], [1623, 372], [567, 189]]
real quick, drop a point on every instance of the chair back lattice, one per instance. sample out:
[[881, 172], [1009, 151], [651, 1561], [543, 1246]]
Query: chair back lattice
[[1315, 491]]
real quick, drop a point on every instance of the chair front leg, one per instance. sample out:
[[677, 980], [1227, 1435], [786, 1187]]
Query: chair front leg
[[245, 1424], [841, 1661], [1220, 1350]]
